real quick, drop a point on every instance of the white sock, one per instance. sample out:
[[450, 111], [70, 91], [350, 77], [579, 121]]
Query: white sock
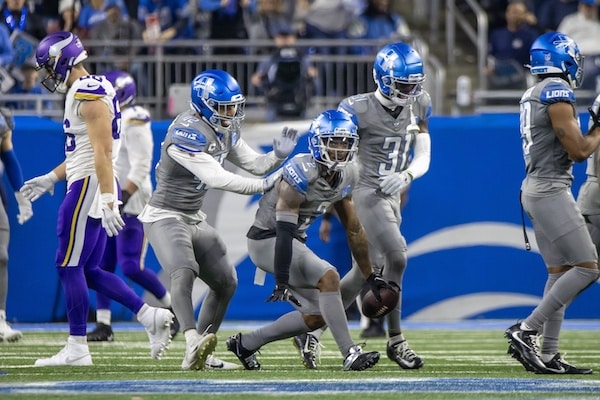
[[78, 339], [140, 314], [189, 334], [103, 316]]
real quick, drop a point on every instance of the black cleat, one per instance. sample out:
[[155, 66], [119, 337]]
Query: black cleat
[[559, 366], [174, 325], [102, 333], [524, 344], [246, 357], [358, 360], [403, 355], [309, 348]]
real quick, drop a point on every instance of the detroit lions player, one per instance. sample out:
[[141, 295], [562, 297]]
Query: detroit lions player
[[276, 243], [132, 170], [552, 141], [191, 163], [11, 165], [91, 123], [394, 150]]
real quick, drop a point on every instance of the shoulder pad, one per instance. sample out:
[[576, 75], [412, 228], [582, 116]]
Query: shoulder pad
[[188, 139], [92, 88], [136, 115], [557, 91], [297, 172]]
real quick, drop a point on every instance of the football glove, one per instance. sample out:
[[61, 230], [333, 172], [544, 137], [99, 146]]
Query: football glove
[[376, 282], [595, 118], [392, 184], [285, 144], [35, 187], [282, 292], [112, 222], [413, 129], [270, 181], [25, 209]]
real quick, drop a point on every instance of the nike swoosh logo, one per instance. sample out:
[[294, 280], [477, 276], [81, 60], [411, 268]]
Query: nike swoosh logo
[[91, 85]]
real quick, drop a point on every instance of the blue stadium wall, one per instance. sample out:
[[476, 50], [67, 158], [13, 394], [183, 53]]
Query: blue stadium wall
[[462, 222]]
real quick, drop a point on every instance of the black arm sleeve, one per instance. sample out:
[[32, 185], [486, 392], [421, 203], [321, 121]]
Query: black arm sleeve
[[283, 251]]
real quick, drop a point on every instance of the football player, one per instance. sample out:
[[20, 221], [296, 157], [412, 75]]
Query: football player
[[276, 243], [90, 209], [552, 141], [191, 163], [132, 170]]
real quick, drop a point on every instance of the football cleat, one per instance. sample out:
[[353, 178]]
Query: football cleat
[[403, 355], [101, 333], [175, 325], [157, 322], [524, 344], [558, 365], [358, 360], [246, 357], [8, 334], [310, 349], [197, 350], [73, 354], [215, 363]]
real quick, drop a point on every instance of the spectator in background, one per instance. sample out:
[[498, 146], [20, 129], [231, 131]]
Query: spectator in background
[[165, 20], [286, 77], [377, 22], [550, 13], [94, 13], [270, 15], [17, 16], [68, 11], [6, 48], [228, 21], [584, 28], [330, 19], [28, 84], [508, 48]]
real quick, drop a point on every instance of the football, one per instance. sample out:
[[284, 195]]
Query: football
[[371, 308]]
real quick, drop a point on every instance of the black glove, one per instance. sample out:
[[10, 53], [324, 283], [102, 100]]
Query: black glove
[[282, 292], [376, 282], [125, 196], [595, 118]]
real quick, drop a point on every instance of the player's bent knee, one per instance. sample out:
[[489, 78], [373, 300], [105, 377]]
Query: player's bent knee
[[329, 282], [313, 321]]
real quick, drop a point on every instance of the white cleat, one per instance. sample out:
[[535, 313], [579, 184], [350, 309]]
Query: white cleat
[[74, 354], [157, 322], [214, 363], [197, 350], [8, 334]]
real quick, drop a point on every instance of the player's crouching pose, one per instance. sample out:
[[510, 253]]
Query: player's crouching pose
[[191, 162], [276, 243]]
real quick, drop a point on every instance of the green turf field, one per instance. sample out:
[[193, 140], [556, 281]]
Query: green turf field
[[459, 364]]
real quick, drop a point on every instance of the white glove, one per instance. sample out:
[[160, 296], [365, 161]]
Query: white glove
[[25, 209], [111, 218], [35, 187], [413, 129], [270, 181], [285, 144], [392, 184]]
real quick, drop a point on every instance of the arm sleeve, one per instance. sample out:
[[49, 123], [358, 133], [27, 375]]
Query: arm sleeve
[[245, 157], [419, 165], [13, 169], [211, 173], [285, 228], [139, 149]]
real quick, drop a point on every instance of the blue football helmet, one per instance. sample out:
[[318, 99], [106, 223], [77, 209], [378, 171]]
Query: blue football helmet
[[58, 53], [333, 139], [398, 72], [124, 85], [557, 53], [217, 96]]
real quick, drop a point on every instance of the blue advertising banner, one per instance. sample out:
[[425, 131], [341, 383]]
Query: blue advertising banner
[[462, 222]]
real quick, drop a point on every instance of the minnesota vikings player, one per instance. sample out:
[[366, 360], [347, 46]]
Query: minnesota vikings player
[[394, 150], [191, 163], [276, 243], [552, 141], [132, 170], [11, 165], [92, 125]]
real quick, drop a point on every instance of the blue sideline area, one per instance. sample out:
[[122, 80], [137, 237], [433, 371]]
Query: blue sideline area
[[467, 259]]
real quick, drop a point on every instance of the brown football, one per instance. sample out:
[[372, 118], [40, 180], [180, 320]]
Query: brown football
[[371, 308]]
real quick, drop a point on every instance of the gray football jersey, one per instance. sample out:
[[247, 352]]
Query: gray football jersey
[[177, 188], [384, 146], [302, 173], [546, 160]]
